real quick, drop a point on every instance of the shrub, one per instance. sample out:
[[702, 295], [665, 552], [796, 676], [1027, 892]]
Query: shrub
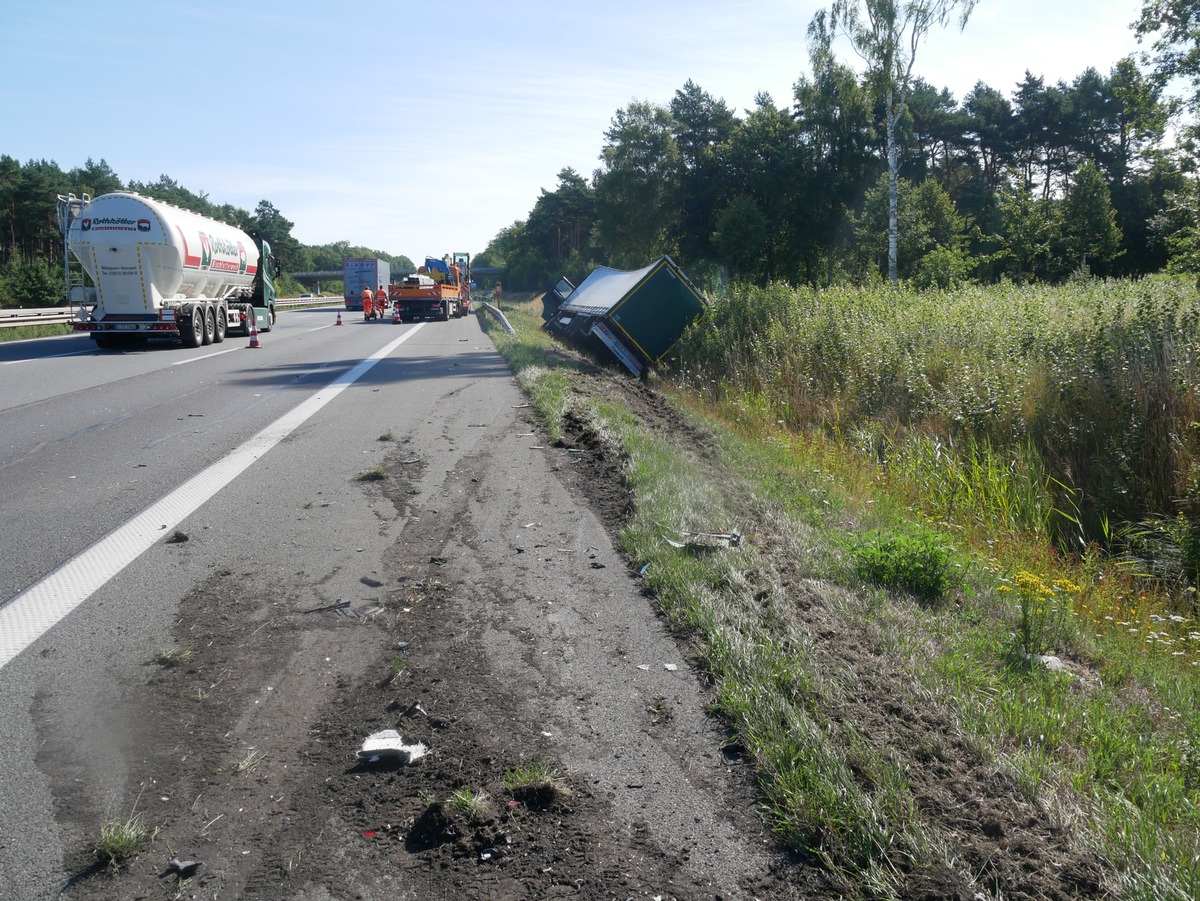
[[915, 561]]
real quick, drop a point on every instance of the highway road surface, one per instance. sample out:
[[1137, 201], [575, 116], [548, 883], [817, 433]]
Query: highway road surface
[[250, 452]]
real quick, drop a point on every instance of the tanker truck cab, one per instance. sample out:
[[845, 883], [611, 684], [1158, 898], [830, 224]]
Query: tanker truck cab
[[158, 271]]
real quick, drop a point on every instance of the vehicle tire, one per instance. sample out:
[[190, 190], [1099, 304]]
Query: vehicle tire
[[444, 315], [221, 325], [270, 321], [192, 331], [210, 325], [104, 342]]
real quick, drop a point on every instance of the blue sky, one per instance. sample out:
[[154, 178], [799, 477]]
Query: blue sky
[[424, 128]]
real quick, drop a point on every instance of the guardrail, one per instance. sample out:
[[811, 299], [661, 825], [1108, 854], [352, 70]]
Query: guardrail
[[16, 318], [495, 311]]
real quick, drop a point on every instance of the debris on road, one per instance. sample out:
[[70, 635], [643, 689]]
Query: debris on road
[[706, 541], [181, 869], [340, 604], [388, 745]]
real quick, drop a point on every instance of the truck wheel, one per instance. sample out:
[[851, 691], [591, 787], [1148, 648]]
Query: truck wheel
[[270, 320], [444, 313], [105, 341], [222, 325], [192, 331], [210, 325]]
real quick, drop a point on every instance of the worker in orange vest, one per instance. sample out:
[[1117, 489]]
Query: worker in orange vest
[[367, 302], [381, 301]]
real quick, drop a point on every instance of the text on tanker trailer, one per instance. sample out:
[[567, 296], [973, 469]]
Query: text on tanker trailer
[[159, 271]]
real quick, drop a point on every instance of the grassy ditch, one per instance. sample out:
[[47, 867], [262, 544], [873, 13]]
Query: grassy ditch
[[25, 332], [874, 664]]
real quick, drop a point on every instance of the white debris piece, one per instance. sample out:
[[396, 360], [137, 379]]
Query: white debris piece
[[1051, 663], [388, 744]]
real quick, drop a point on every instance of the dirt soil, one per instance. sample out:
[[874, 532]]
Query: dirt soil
[[469, 643]]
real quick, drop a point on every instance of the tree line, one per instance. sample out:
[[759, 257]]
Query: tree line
[[31, 244], [1042, 181]]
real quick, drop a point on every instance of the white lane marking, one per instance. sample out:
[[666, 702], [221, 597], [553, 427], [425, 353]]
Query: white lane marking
[[216, 353], [30, 614], [74, 353]]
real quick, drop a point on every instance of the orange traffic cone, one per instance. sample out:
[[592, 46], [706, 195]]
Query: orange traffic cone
[[339, 322], [254, 342], [395, 314]]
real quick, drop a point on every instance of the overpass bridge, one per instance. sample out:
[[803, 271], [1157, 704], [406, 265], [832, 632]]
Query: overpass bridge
[[483, 275]]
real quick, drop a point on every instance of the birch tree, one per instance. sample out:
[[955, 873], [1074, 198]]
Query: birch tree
[[886, 34]]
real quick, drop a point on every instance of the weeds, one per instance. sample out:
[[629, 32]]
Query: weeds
[[917, 561], [474, 805], [170, 658], [25, 332], [823, 410], [1044, 611], [535, 784], [250, 762], [121, 840]]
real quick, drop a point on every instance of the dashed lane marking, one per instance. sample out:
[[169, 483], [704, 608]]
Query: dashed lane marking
[[27, 616]]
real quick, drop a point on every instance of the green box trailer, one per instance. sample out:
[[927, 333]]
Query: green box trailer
[[637, 315]]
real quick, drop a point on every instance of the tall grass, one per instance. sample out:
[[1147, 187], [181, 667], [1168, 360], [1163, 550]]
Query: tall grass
[[1063, 410], [1110, 752]]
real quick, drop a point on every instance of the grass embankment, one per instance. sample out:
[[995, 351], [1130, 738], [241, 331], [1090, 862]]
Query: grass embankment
[[24, 332], [935, 563]]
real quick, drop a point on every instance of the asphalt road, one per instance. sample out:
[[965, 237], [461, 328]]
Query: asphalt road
[[91, 439]]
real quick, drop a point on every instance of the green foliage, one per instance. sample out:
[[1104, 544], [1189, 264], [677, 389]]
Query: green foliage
[[1175, 51], [635, 191], [30, 284], [932, 244], [1056, 410], [120, 841], [1111, 744], [30, 239], [917, 561], [1045, 608], [1089, 222], [741, 236], [474, 805]]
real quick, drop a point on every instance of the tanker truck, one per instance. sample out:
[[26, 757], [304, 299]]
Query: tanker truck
[[158, 271]]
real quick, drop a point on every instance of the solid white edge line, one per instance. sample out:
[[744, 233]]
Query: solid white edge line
[[30, 614]]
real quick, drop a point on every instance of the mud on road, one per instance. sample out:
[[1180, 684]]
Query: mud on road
[[502, 629]]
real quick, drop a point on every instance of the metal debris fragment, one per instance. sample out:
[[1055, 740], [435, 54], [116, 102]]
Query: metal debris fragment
[[706, 541]]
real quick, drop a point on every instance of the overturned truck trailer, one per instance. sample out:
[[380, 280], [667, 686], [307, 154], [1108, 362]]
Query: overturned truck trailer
[[637, 316]]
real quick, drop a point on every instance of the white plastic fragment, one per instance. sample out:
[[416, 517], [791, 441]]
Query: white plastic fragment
[[389, 745]]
